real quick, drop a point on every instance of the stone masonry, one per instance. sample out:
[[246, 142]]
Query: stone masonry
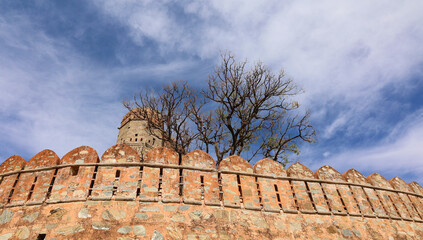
[[118, 196], [140, 189]]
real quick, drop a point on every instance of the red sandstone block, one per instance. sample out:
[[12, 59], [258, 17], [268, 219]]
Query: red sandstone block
[[167, 178], [414, 210], [359, 194], [149, 191], [390, 200], [236, 186], [416, 188], [276, 194], [13, 163], [318, 197], [170, 185], [339, 196], [162, 155], [32, 187], [315, 189], [200, 184], [250, 195], [72, 183], [117, 182], [300, 188]]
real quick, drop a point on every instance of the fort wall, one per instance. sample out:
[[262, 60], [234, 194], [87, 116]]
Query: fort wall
[[82, 196]]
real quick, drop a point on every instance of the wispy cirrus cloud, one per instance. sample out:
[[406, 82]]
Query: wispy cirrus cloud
[[52, 96], [64, 72], [48, 92], [399, 154]]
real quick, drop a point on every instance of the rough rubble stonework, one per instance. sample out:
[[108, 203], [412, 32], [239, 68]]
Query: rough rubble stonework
[[119, 197], [123, 196]]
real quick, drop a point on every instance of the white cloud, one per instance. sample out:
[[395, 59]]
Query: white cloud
[[333, 127], [53, 97], [50, 97], [399, 154], [341, 53], [338, 51]]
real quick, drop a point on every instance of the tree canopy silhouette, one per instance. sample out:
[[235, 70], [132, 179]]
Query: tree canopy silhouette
[[243, 111]]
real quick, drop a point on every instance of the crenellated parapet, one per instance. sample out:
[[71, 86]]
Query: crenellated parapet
[[34, 187], [120, 175], [195, 180]]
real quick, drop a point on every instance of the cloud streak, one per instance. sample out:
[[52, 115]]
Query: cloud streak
[[358, 62], [399, 154]]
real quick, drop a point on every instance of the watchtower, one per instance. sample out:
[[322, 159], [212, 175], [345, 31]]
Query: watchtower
[[133, 132]]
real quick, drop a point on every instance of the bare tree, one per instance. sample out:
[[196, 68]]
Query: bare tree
[[246, 112], [253, 113]]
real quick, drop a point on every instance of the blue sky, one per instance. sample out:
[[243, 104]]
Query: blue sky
[[66, 66]]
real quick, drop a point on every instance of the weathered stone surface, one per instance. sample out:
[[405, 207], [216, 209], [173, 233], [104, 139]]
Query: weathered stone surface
[[118, 181], [31, 217], [13, 163], [184, 207], [71, 182], [84, 213], [6, 236], [276, 193], [139, 230], [68, 230], [162, 155], [22, 233], [6, 216], [113, 214], [101, 225], [120, 153], [339, 196], [45, 158], [178, 218], [196, 215], [235, 163], [124, 230], [285, 202], [32, 187], [390, 200], [57, 213], [299, 188], [157, 235], [141, 215], [195, 187]]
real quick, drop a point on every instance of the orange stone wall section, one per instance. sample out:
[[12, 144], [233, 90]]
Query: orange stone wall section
[[118, 196]]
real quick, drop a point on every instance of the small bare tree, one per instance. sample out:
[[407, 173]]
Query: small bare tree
[[246, 112]]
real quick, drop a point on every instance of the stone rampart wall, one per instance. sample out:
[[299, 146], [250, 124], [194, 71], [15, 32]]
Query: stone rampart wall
[[242, 201]]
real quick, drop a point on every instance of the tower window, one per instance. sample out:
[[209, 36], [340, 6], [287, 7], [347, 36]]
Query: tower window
[[74, 170], [136, 139], [136, 134], [130, 139], [140, 139]]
